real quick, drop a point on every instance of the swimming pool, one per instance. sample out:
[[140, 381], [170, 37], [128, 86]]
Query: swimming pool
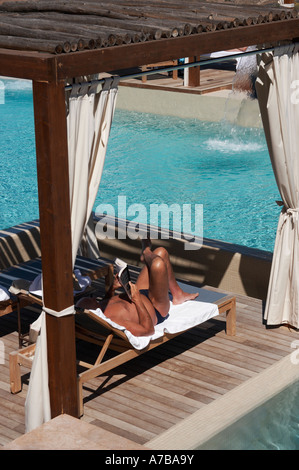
[[272, 426], [155, 159], [261, 413]]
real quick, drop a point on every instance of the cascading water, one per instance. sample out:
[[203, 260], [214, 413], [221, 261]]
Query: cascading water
[[246, 72], [241, 102]]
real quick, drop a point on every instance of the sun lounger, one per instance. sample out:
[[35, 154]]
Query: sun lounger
[[94, 327], [22, 283], [8, 306]]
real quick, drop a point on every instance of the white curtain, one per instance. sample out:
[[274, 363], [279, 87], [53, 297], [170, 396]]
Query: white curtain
[[89, 119], [277, 85], [37, 405], [89, 123]]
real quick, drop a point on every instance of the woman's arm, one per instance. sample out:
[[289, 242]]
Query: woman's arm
[[115, 285], [145, 326]]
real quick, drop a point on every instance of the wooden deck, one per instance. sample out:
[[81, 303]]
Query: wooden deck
[[150, 394], [211, 80]]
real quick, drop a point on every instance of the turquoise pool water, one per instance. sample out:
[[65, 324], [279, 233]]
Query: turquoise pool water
[[272, 426], [18, 184], [154, 159]]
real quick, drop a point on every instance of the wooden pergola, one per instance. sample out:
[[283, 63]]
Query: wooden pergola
[[148, 33]]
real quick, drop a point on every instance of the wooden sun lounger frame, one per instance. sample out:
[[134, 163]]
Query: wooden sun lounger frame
[[9, 306], [113, 339], [116, 340], [23, 298], [24, 356]]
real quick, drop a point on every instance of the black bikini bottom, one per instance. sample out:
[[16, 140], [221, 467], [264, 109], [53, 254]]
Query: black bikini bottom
[[160, 318]]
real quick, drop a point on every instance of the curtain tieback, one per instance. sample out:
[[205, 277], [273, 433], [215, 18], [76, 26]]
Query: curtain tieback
[[293, 213], [67, 311]]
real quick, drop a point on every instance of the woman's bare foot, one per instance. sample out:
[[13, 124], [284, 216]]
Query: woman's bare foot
[[180, 297]]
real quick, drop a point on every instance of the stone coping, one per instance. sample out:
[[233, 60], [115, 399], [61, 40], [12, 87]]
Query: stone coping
[[204, 424], [67, 433]]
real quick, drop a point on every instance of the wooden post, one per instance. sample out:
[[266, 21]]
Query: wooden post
[[194, 73], [56, 248]]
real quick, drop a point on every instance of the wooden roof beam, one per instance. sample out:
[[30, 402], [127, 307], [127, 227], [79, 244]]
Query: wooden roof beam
[[53, 68], [134, 55], [28, 65]]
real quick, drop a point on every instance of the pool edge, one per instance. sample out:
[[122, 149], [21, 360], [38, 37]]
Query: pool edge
[[224, 105], [213, 418]]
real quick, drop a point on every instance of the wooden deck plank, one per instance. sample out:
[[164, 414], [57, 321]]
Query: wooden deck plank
[[161, 393], [141, 402], [99, 413], [222, 350], [211, 79], [151, 393], [142, 397], [114, 409], [238, 346]]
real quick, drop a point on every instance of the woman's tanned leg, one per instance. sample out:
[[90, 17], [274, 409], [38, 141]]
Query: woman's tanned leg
[[158, 277]]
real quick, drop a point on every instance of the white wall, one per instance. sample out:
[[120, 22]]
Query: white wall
[[215, 106]]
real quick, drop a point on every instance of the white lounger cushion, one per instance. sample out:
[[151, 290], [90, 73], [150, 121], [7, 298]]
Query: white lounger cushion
[[36, 286], [4, 294], [181, 318]]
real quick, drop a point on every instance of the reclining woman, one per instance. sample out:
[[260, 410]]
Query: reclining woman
[[150, 295]]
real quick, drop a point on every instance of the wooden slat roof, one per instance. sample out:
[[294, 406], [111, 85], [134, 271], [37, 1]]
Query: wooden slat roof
[[60, 27]]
